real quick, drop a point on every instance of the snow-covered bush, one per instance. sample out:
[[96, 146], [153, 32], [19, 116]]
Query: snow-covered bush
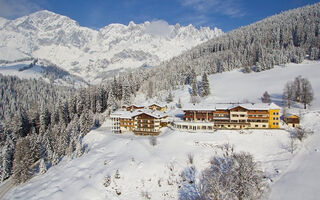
[[232, 176]]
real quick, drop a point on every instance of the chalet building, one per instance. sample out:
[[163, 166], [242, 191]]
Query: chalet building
[[292, 121], [157, 107], [140, 122], [154, 106], [133, 107], [230, 116]]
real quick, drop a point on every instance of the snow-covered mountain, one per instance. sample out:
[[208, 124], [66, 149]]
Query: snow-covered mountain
[[94, 54]]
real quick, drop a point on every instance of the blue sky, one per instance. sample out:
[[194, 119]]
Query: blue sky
[[224, 14]]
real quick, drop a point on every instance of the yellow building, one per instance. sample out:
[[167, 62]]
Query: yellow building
[[274, 117]]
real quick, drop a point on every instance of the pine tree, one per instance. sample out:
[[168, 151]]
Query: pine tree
[[126, 92], [265, 97], [112, 102], [170, 97], [22, 161], [7, 157], [194, 91], [45, 118], [150, 90], [205, 87], [42, 167], [179, 105], [79, 149]]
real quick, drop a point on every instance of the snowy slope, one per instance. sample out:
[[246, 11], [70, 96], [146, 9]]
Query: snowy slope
[[235, 86], [301, 180], [143, 166], [41, 70], [100, 53]]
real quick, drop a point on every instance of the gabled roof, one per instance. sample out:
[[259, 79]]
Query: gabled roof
[[135, 105], [292, 116], [123, 114], [156, 104], [154, 114]]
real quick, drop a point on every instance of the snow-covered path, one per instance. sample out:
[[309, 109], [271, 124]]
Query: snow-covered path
[[302, 178]]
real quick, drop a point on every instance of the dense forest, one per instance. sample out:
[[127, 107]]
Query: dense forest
[[290, 36], [40, 122]]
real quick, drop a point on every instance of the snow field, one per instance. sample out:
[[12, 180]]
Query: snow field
[[143, 166]]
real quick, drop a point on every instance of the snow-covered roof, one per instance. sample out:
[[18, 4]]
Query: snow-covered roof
[[135, 105], [228, 106], [155, 114], [156, 104], [123, 114]]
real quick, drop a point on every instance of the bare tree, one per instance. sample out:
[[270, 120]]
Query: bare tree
[[306, 92], [232, 176], [292, 145], [287, 94]]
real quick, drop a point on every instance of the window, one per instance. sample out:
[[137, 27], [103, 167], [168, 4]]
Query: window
[[256, 126], [228, 125], [263, 126]]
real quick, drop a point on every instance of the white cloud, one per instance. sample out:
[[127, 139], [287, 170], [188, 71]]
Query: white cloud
[[158, 27], [226, 7], [16, 8]]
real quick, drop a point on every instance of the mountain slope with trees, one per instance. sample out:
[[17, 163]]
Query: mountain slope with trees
[[290, 36]]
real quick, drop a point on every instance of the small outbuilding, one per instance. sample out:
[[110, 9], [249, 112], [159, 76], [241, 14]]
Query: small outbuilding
[[292, 121]]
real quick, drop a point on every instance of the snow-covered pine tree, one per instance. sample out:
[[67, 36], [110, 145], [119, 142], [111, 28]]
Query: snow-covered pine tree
[[179, 105], [22, 161], [126, 92], [112, 102], [170, 97], [7, 157], [205, 87], [42, 166], [265, 98], [45, 118]]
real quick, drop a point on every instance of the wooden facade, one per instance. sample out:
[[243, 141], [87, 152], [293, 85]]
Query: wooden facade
[[139, 122], [237, 117], [293, 121], [157, 107], [145, 124]]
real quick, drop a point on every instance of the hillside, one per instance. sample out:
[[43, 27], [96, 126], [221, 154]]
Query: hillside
[[290, 36], [96, 54], [154, 170], [41, 69]]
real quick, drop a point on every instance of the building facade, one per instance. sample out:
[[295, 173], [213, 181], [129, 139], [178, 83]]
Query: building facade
[[230, 116], [292, 121], [140, 122]]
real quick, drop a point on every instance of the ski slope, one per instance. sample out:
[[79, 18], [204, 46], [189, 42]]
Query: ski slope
[[147, 171]]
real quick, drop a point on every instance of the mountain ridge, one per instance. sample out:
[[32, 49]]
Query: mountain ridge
[[89, 53]]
